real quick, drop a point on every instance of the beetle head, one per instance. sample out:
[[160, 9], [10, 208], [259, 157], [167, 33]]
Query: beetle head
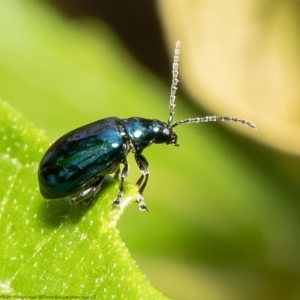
[[163, 133], [171, 137]]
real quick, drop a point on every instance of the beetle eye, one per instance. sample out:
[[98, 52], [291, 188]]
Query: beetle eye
[[172, 139], [166, 131]]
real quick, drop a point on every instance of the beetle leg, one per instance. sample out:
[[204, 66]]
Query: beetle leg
[[121, 188], [116, 176], [142, 164], [88, 195]]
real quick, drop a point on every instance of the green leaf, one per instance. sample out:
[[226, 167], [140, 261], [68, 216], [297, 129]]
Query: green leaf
[[52, 248]]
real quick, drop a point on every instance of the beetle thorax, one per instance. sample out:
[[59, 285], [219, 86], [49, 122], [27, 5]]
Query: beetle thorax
[[145, 132]]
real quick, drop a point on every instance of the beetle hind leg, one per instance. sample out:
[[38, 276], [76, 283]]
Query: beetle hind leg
[[117, 174], [88, 195]]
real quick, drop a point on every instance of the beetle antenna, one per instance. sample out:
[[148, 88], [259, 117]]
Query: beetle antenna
[[213, 119], [173, 98], [174, 82]]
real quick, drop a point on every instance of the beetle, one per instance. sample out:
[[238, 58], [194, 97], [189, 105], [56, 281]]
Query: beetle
[[74, 166]]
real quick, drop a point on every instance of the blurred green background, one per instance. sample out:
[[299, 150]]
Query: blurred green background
[[224, 208]]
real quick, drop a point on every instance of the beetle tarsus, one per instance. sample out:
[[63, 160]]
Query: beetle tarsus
[[141, 202], [143, 207], [117, 201]]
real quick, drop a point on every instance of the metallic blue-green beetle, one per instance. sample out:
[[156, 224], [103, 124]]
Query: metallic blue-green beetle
[[74, 167]]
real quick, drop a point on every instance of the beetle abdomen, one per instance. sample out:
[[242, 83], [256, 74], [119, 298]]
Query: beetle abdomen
[[80, 158]]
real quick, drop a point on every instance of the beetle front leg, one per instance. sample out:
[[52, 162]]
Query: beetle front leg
[[142, 164], [121, 188]]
